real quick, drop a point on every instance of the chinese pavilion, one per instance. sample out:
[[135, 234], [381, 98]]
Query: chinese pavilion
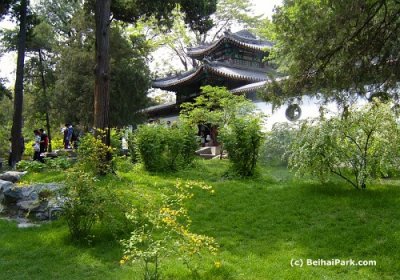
[[235, 61]]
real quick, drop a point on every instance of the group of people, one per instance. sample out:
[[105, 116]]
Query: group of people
[[40, 144], [70, 139]]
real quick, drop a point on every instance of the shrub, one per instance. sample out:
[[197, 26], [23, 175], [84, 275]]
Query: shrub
[[57, 144], [92, 155], [361, 145], [275, 150], [83, 204], [123, 164], [160, 233], [162, 148], [242, 140], [133, 152], [29, 149], [4, 136], [58, 163], [32, 166]]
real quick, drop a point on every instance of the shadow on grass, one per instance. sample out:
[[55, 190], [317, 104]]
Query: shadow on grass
[[47, 252], [272, 224]]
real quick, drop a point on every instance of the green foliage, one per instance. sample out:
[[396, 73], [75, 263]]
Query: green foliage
[[166, 231], [362, 144], [275, 150], [123, 164], [30, 165], [197, 13], [92, 155], [257, 223], [162, 148], [58, 163], [336, 48], [231, 113], [5, 128], [242, 139], [129, 76], [57, 143], [132, 147], [216, 106], [89, 204], [83, 204]]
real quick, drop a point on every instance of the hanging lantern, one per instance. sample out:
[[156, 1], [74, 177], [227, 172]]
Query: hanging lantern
[[293, 112]]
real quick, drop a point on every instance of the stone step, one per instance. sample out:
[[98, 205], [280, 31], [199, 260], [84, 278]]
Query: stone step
[[207, 156], [204, 150]]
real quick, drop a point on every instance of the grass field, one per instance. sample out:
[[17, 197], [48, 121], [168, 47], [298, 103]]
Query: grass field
[[261, 224]]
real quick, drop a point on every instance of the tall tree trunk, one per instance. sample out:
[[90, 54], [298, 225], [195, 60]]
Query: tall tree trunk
[[44, 86], [16, 131], [101, 91]]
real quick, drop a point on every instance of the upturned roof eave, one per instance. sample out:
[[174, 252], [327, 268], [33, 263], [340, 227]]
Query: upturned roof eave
[[219, 69], [200, 52]]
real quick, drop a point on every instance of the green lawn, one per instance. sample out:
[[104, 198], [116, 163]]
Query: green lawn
[[260, 224]]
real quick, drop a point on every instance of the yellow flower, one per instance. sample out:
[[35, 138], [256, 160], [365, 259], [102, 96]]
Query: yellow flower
[[121, 262], [217, 264]]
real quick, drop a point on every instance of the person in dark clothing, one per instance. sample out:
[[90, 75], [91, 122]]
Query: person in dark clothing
[[36, 146], [66, 140], [44, 141]]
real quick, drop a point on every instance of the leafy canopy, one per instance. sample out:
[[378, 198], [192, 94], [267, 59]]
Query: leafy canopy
[[363, 144], [216, 106], [337, 48]]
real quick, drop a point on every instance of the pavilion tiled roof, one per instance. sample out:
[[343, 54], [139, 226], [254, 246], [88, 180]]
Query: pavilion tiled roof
[[242, 39], [255, 86], [164, 109], [221, 69], [249, 87]]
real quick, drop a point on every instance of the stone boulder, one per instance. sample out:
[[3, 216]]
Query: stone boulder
[[38, 200], [12, 176], [4, 186]]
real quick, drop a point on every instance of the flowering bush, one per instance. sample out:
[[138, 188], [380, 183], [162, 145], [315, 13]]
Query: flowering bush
[[157, 230], [92, 155]]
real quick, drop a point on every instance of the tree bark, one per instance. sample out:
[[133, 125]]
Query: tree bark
[[16, 130], [44, 86], [101, 91]]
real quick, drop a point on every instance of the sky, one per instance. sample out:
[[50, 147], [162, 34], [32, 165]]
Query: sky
[[8, 61], [266, 6]]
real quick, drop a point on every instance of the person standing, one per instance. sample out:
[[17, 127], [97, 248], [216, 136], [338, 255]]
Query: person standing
[[70, 132], [124, 146], [44, 141], [36, 146], [64, 131]]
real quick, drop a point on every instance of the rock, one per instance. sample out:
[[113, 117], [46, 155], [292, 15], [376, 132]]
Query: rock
[[4, 186], [42, 201], [12, 176], [28, 205], [14, 194]]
